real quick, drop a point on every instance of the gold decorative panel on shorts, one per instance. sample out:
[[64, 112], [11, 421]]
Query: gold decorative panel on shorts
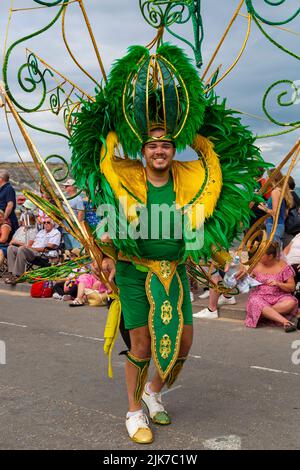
[[165, 346]]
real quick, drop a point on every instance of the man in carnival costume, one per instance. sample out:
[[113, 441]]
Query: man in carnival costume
[[155, 104]]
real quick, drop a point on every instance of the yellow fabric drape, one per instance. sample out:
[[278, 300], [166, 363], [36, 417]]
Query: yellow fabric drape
[[112, 329]]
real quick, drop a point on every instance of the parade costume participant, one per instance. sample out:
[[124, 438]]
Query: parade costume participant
[[156, 105]]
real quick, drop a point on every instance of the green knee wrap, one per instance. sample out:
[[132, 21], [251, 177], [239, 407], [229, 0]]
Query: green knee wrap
[[175, 371], [142, 365]]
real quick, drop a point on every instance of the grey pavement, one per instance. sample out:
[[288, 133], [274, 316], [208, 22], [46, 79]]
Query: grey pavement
[[238, 390]]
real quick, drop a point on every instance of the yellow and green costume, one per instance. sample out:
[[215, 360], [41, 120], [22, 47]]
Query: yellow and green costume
[[163, 89]]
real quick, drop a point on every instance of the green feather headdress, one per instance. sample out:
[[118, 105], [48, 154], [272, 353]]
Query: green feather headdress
[[161, 89]]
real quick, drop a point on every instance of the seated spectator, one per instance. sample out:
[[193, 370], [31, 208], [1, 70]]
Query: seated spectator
[[5, 234], [273, 299], [28, 210], [292, 257], [65, 290], [25, 233], [46, 242], [90, 289]]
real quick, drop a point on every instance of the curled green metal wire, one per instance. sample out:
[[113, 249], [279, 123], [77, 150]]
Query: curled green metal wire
[[275, 134], [280, 101], [275, 43], [49, 4], [65, 168], [274, 3], [165, 13], [19, 41]]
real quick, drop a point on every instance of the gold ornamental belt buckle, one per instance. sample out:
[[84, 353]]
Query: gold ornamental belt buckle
[[165, 269]]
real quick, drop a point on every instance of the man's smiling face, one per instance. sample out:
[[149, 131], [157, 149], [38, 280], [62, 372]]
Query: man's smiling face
[[158, 154]]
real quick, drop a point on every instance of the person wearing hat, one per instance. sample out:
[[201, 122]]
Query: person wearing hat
[[157, 106], [29, 209], [77, 205], [20, 201]]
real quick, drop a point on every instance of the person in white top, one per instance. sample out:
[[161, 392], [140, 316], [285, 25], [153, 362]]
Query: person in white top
[[26, 232], [292, 257], [46, 242], [292, 251]]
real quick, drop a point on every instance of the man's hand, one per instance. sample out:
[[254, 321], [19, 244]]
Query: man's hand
[[109, 269]]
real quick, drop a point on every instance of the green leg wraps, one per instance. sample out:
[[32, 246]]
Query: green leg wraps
[[175, 371], [142, 366]]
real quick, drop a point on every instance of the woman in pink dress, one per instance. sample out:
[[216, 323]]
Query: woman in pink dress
[[88, 285], [273, 299]]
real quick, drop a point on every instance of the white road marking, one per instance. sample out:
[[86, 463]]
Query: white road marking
[[230, 442], [171, 389], [195, 357], [80, 336], [12, 324], [274, 370]]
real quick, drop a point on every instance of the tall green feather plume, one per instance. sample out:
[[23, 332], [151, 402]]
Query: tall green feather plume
[[194, 86], [88, 135], [240, 161], [117, 81]]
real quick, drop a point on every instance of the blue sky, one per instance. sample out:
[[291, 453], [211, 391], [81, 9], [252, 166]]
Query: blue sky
[[118, 24]]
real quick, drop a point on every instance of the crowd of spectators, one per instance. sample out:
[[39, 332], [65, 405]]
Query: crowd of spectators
[[33, 238], [276, 299]]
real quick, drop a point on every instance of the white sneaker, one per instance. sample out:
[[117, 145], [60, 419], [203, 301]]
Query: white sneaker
[[192, 296], [138, 429], [206, 313], [205, 295], [226, 300], [56, 296], [156, 409]]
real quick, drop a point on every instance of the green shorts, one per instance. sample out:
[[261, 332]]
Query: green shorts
[[134, 301]]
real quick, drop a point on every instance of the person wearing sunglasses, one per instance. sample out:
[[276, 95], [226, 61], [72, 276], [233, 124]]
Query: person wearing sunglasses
[[46, 242]]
